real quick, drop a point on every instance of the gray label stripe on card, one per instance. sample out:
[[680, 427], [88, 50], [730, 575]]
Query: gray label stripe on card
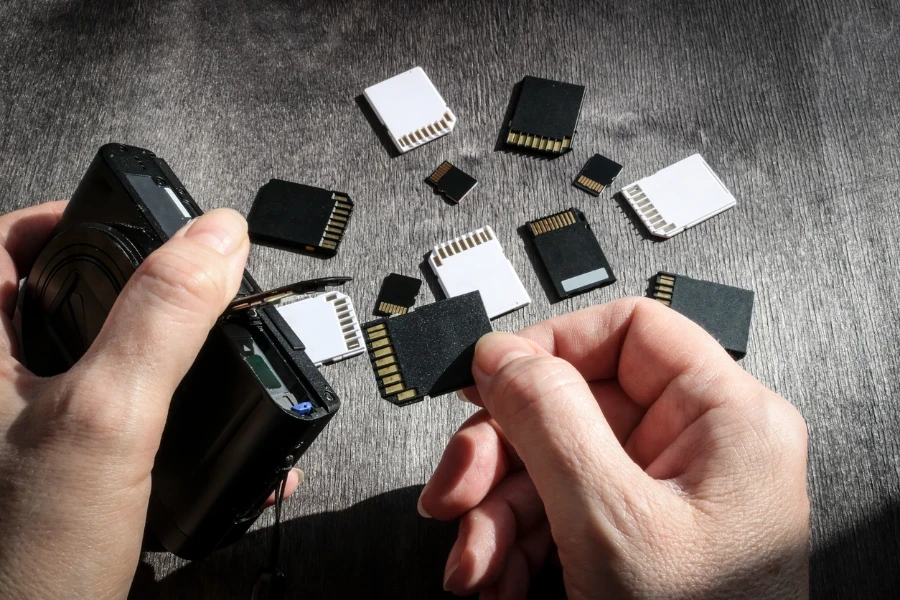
[[579, 281]]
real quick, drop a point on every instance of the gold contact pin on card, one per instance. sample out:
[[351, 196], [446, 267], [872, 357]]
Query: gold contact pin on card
[[384, 352], [387, 370], [383, 362]]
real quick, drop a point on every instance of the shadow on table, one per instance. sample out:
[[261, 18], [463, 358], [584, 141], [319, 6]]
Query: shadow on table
[[381, 548], [378, 129], [862, 562], [431, 279], [378, 548], [537, 264]]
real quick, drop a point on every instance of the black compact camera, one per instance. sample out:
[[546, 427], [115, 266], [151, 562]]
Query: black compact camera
[[251, 403]]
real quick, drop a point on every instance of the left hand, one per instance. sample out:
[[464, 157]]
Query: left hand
[[76, 450]]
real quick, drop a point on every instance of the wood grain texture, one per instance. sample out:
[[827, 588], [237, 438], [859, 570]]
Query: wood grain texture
[[793, 103]]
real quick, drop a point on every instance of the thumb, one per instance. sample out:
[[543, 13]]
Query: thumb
[[164, 314], [549, 414]]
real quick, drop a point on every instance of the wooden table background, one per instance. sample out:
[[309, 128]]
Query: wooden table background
[[793, 103]]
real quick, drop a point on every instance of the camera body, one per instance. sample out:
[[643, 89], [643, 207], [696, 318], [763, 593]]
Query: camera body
[[231, 433]]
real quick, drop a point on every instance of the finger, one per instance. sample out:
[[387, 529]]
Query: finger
[[294, 479], [683, 402], [526, 558], [489, 531], [160, 321], [470, 394], [23, 234], [536, 546], [620, 412], [640, 341], [513, 581], [589, 339], [477, 457], [663, 362], [547, 411]]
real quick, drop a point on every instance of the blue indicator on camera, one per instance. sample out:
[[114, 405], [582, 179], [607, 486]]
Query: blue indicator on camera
[[303, 408]]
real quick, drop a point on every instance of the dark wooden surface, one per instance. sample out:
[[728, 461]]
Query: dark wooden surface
[[794, 104]]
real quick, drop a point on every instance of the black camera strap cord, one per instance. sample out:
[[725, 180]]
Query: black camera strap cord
[[270, 583], [275, 550]]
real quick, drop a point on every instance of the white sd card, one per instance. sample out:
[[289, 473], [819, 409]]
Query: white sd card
[[475, 261], [679, 196], [411, 108], [327, 326]]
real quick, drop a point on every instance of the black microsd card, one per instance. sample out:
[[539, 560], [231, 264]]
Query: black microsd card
[[429, 351], [299, 217], [397, 295], [452, 182], [570, 253], [545, 116], [724, 311], [598, 173]]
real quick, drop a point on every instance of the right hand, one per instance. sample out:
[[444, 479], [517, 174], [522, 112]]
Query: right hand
[[624, 438]]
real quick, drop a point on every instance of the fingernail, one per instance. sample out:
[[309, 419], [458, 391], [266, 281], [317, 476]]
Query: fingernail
[[461, 394], [451, 569], [222, 229], [419, 508], [300, 476], [496, 350]]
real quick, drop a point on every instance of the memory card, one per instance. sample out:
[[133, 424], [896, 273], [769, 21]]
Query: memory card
[[397, 295], [299, 217], [570, 253], [327, 325], [597, 174], [452, 182], [678, 197], [476, 261], [427, 352], [545, 116], [724, 311]]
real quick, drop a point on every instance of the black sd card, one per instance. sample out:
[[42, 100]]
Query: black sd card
[[397, 295], [724, 311], [299, 217], [570, 253], [429, 351], [545, 116]]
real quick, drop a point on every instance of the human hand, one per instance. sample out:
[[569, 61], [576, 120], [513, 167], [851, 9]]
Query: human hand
[[625, 439], [76, 450]]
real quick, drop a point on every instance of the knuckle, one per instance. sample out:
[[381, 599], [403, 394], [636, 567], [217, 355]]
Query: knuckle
[[797, 437], [783, 425], [171, 278], [85, 415]]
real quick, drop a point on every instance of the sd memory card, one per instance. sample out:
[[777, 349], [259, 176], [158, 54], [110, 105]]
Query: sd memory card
[[427, 352], [570, 253]]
